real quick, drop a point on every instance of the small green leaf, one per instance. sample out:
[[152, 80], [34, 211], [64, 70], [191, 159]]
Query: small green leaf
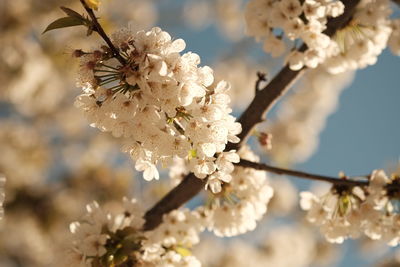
[[71, 13], [63, 23]]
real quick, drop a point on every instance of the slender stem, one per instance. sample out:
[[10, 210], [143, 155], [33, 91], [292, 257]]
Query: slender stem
[[102, 64], [179, 127], [124, 53], [348, 181], [102, 33], [116, 87], [109, 75], [254, 114], [303, 175], [109, 78], [103, 82], [109, 71]]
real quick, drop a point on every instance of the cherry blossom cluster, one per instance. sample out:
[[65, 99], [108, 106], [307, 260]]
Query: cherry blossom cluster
[[380, 209], [361, 42], [161, 102], [355, 46], [98, 237], [346, 212], [241, 203], [103, 239], [172, 240], [336, 212], [272, 20]]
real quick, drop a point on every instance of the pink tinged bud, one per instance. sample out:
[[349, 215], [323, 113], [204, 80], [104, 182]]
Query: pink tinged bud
[[265, 140], [98, 54], [91, 65]]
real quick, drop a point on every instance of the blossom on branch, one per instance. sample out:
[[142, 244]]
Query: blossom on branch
[[103, 239], [355, 46], [160, 101], [348, 212], [241, 203]]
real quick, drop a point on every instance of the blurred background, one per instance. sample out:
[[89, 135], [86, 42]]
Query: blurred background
[[55, 163]]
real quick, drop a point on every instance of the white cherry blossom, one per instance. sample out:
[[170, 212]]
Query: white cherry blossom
[[160, 102]]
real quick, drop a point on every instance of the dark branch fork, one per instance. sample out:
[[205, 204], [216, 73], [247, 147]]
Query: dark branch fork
[[254, 114]]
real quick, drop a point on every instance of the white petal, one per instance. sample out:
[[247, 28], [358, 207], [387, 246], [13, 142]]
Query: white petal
[[178, 45], [208, 149]]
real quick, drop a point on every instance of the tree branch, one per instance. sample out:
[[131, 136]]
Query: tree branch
[[186, 190], [304, 175], [102, 33], [393, 187], [254, 114]]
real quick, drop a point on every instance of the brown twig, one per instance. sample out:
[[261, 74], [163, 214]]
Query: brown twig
[[393, 187], [281, 171], [254, 114], [280, 84], [99, 29]]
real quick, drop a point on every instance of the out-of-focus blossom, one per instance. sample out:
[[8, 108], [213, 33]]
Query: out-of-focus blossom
[[303, 116], [242, 76], [226, 14]]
